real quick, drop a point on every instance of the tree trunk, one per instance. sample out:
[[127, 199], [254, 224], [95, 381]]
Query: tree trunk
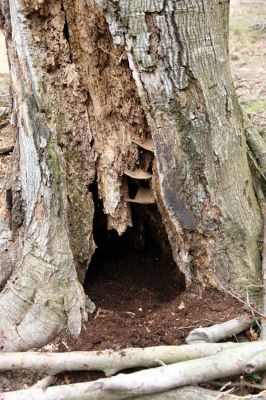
[[103, 90]]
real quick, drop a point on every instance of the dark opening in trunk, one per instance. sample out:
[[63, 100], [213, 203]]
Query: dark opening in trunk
[[136, 270]]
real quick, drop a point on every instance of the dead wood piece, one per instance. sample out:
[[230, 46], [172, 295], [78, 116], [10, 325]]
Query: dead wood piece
[[6, 150], [108, 361], [217, 332], [191, 393], [94, 391], [143, 196], [155, 383], [6, 138], [146, 144], [138, 174], [227, 363]]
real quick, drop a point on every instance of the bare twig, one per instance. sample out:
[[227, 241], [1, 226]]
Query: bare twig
[[242, 301], [45, 382], [241, 384], [221, 395], [256, 165]]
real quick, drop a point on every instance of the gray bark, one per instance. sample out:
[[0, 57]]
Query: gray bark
[[43, 294], [110, 361], [150, 382], [218, 332], [229, 362], [93, 82], [92, 391]]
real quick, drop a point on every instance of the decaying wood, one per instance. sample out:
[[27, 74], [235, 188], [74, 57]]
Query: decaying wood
[[146, 144], [6, 150], [217, 332], [138, 174], [8, 204], [227, 363], [109, 361], [179, 81], [143, 196], [93, 391]]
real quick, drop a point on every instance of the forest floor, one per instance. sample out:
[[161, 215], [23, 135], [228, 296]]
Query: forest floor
[[248, 57], [135, 306]]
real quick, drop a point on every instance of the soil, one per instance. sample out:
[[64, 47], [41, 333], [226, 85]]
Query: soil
[[248, 57], [141, 301]]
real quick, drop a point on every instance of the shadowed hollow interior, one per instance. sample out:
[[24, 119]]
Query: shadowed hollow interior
[[136, 270]]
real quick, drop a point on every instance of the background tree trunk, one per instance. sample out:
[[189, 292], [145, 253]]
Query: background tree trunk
[[120, 93]]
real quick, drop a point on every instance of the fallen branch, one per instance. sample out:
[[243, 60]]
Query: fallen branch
[[45, 382], [109, 361], [193, 393], [94, 391], [217, 332], [252, 310], [227, 363]]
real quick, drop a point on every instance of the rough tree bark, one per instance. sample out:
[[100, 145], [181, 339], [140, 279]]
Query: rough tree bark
[[102, 90]]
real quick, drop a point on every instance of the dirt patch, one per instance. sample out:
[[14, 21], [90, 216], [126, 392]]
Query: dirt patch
[[248, 57], [140, 300], [157, 324]]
